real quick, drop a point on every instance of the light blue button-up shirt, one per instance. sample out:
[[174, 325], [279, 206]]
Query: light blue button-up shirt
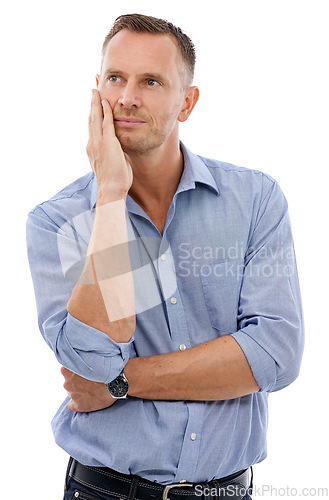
[[224, 265]]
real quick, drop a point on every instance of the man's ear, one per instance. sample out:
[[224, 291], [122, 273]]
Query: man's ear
[[97, 79], [191, 98]]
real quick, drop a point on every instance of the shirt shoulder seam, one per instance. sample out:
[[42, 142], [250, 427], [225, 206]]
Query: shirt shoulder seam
[[53, 198], [235, 168]]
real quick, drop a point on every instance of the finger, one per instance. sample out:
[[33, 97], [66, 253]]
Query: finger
[[108, 122], [64, 371], [96, 116], [71, 406]]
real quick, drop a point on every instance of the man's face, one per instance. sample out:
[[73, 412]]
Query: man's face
[[141, 77]]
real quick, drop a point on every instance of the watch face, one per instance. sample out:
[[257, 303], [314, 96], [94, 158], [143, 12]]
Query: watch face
[[118, 388]]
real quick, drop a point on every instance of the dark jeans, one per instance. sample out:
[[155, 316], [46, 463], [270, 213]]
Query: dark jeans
[[76, 491]]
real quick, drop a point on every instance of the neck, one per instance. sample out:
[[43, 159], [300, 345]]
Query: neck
[[156, 176]]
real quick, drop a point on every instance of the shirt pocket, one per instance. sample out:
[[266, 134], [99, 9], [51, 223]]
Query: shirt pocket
[[221, 288]]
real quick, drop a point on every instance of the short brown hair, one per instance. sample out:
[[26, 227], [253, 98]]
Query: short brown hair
[[139, 23]]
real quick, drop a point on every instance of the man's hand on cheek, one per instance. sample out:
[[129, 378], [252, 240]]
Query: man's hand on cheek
[[111, 165], [86, 396]]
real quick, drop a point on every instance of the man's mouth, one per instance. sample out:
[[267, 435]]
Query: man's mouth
[[128, 121]]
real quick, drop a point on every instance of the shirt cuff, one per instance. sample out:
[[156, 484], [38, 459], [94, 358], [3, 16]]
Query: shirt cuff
[[261, 363], [102, 356]]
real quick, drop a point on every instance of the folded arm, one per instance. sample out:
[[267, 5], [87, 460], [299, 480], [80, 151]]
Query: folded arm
[[213, 371]]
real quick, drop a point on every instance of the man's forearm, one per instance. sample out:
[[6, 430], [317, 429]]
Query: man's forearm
[[104, 295], [215, 370]]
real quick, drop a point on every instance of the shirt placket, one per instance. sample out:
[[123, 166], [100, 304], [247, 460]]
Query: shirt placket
[[189, 457]]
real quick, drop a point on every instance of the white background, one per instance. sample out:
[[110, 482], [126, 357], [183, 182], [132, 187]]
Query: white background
[[262, 70]]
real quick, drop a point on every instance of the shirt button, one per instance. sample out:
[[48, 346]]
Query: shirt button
[[182, 347], [173, 300], [163, 257], [193, 436]]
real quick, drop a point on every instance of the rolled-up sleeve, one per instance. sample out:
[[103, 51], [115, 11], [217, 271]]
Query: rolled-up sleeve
[[53, 251], [270, 318]]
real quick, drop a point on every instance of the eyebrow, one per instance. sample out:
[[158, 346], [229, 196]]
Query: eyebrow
[[151, 75]]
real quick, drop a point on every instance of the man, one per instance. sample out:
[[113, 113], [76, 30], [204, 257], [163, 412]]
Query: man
[[168, 278]]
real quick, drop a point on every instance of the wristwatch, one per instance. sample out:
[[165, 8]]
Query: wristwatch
[[119, 387]]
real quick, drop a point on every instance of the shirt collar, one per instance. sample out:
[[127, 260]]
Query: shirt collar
[[195, 171]]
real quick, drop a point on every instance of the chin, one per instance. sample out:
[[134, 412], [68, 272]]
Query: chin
[[138, 147], [141, 145]]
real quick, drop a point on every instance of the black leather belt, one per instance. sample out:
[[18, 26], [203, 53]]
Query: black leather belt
[[128, 487]]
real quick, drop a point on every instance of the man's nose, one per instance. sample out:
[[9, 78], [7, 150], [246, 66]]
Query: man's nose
[[130, 96]]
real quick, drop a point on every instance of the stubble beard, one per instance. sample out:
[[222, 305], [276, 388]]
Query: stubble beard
[[142, 145], [149, 141]]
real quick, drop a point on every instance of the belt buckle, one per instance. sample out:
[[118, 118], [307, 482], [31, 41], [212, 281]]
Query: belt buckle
[[167, 488]]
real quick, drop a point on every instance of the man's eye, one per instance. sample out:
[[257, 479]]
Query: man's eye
[[152, 83], [114, 78]]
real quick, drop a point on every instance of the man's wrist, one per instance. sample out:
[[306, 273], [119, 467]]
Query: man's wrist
[[106, 196], [134, 373]]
